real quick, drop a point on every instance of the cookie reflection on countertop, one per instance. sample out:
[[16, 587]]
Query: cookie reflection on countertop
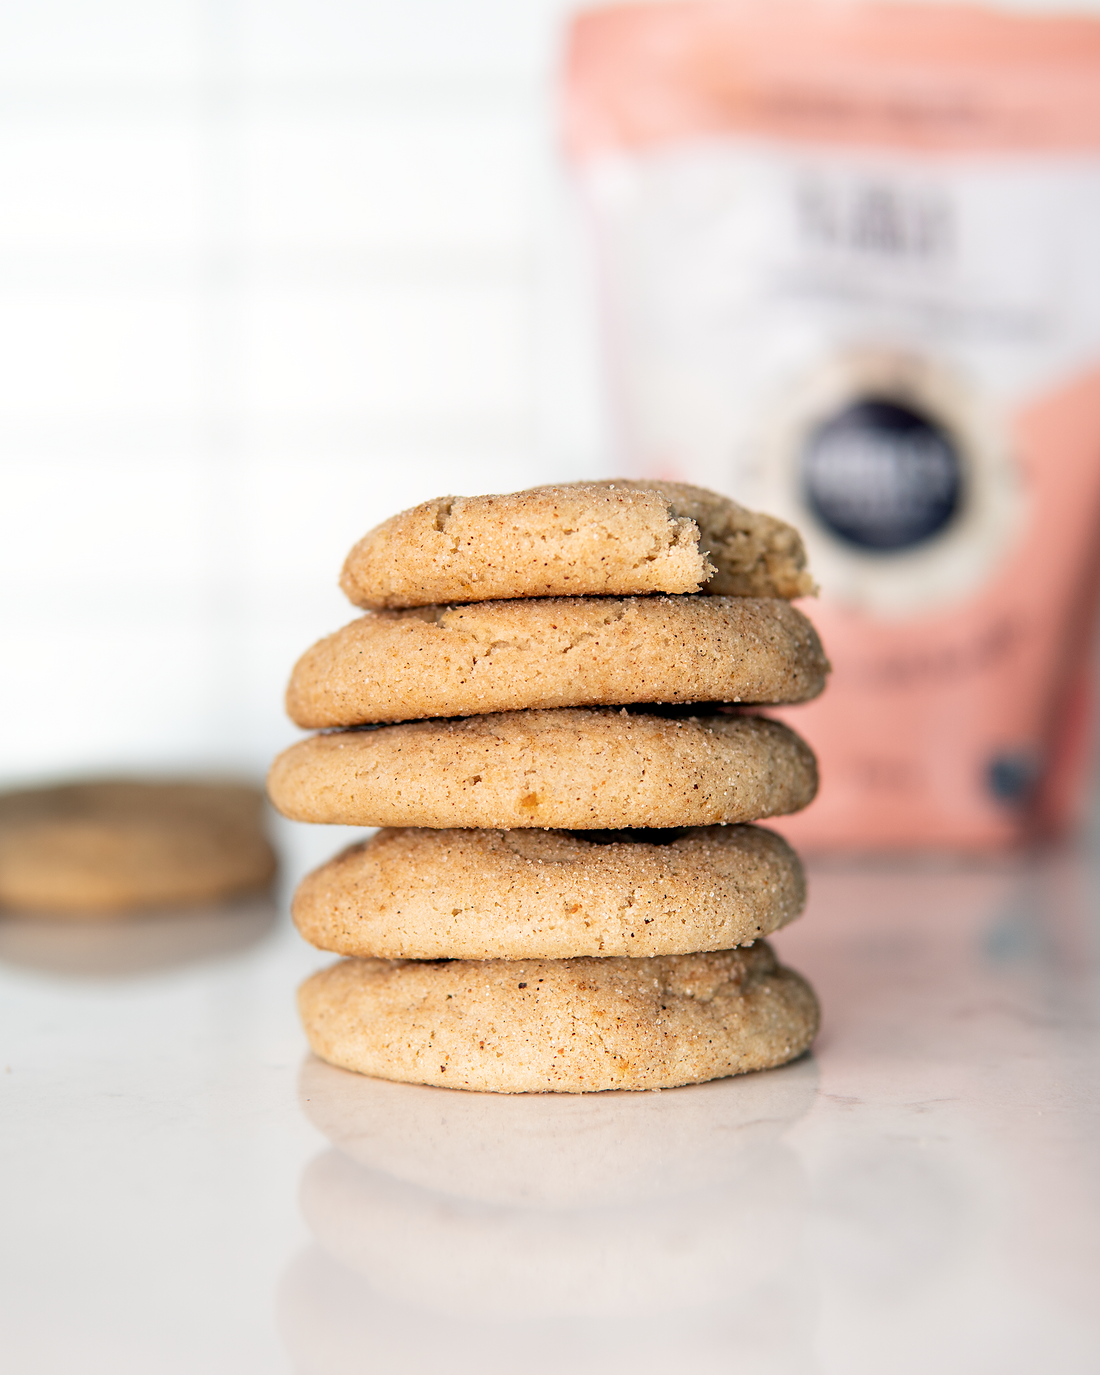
[[333, 1323], [557, 1150], [467, 1258], [145, 943], [553, 1231]]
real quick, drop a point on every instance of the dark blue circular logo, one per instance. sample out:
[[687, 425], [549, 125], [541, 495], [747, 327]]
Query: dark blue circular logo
[[881, 476]]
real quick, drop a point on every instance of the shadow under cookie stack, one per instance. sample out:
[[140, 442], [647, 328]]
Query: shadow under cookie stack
[[543, 708]]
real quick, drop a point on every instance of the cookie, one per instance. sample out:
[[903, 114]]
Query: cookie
[[571, 769], [565, 1026], [113, 846], [512, 895], [557, 652], [615, 538]]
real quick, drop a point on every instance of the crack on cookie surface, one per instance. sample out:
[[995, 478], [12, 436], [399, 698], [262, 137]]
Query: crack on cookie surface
[[442, 513]]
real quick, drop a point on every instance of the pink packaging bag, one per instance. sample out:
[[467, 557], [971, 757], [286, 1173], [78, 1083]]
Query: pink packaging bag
[[850, 266]]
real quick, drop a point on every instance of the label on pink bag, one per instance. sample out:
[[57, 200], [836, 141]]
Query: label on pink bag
[[850, 259]]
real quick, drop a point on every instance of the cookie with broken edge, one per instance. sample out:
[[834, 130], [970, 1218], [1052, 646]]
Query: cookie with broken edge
[[616, 538]]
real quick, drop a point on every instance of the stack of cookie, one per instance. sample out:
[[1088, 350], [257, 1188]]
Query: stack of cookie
[[564, 896]]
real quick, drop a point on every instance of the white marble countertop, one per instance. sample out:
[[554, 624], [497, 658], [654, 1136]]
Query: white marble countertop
[[184, 1190]]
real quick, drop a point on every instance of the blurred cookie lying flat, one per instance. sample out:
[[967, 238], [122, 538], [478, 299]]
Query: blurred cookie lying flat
[[565, 1026], [98, 848], [557, 652], [483, 895], [570, 769], [615, 538]]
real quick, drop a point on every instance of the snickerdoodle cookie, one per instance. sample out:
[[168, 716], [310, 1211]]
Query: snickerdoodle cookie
[[557, 652], [481, 895], [569, 768], [564, 1026], [117, 845], [616, 538]]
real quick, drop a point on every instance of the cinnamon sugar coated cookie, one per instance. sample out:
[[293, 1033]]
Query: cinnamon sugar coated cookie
[[113, 846], [569, 769], [615, 538], [483, 895], [557, 652], [563, 1026]]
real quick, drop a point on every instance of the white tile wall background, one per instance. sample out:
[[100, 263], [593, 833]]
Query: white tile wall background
[[270, 270]]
